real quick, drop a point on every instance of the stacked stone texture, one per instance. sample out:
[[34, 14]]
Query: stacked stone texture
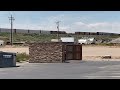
[[45, 53]]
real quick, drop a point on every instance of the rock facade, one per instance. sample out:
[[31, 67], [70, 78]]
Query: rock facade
[[45, 53]]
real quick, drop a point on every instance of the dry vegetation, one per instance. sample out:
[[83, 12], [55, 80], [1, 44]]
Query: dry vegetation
[[90, 52]]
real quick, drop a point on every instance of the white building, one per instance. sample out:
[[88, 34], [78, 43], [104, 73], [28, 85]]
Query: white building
[[67, 39]]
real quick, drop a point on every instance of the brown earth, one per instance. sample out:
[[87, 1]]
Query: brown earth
[[96, 52], [89, 52]]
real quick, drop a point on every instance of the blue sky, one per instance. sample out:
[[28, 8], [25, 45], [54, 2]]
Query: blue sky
[[71, 21]]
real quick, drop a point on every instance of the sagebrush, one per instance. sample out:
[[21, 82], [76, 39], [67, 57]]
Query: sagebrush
[[22, 57]]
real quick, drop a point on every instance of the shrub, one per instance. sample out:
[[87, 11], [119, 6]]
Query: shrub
[[22, 57]]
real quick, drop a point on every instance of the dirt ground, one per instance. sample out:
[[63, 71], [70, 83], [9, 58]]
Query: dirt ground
[[96, 52], [88, 52], [15, 49]]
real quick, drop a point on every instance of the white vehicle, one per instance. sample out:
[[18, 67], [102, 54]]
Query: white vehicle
[[1, 42], [91, 40], [86, 41], [83, 41]]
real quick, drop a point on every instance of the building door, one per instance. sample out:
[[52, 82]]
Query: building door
[[72, 52]]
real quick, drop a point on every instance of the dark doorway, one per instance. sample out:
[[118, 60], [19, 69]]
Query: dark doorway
[[72, 52]]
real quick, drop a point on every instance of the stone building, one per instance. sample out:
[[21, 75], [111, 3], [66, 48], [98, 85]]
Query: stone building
[[52, 52]]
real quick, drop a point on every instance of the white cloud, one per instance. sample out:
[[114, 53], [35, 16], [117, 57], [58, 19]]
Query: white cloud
[[113, 27], [79, 24]]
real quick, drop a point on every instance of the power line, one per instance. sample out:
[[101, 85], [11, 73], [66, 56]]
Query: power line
[[11, 34], [58, 29]]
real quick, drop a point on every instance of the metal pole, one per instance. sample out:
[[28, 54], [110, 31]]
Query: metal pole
[[58, 29], [11, 34]]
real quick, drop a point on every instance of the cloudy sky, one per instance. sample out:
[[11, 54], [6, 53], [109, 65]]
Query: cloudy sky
[[71, 21]]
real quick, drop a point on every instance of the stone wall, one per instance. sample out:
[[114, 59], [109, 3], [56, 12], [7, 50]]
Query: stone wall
[[45, 52]]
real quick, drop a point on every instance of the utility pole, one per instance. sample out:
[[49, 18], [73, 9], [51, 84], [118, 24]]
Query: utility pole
[[11, 34], [58, 29]]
